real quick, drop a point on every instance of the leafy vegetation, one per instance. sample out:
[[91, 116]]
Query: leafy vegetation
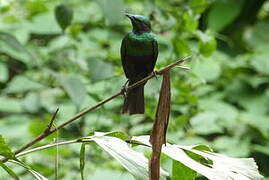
[[48, 60]]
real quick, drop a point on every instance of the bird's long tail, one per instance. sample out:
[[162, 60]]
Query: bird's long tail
[[134, 100]]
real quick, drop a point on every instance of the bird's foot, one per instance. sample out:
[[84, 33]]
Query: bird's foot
[[124, 88], [155, 74]]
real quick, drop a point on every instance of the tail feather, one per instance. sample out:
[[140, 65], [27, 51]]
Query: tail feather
[[134, 101]]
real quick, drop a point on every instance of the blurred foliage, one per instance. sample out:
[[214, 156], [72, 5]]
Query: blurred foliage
[[223, 101]]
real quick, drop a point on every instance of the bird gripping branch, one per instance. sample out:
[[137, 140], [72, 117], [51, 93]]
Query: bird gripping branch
[[139, 52]]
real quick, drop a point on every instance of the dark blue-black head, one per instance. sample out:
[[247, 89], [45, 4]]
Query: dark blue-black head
[[140, 23]]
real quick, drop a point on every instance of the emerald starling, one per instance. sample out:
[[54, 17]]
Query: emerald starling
[[139, 52]]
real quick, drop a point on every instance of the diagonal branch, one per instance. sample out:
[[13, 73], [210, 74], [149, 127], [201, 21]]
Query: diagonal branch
[[48, 131]]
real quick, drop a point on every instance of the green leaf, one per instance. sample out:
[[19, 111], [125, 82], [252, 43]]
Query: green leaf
[[21, 84], [112, 10], [34, 173], [3, 72], [207, 69], [256, 36], [31, 102], [99, 70], [136, 163], [233, 146], [256, 120], [182, 172], [74, 88], [189, 21], [63, 15], [207, 43], [12, 47], [9, 171], [44, 23], [82, 160], [206, 123], [181, 46], [217, 166], [198, 6], [260, 62], [120, 135], [222, 13], [10, 105], [5, 150]]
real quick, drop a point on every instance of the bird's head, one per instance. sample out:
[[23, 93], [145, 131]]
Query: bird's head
[[140, 23]]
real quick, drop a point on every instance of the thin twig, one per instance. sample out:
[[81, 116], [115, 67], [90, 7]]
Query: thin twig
[[51, 121], [82, 113]]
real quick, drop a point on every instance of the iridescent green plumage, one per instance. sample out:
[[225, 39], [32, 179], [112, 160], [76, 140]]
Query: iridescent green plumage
[[139, 51]]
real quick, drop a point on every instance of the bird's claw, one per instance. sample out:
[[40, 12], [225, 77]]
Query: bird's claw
[[155, 74], [124, 88]]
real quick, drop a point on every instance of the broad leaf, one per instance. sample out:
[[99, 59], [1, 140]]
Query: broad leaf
[[21, 84], [136, 163], [10, 105], [217, 166], [63, 15], [45, 23], [12, 47], [99, 70], [112, 10], [222, 13], [260, 62], [207, 69], [74, 88], [182, 172]]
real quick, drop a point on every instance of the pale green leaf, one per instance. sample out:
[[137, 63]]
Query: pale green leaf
[[3, 72], [21, 84], [10, 105], [207, 69], [12, 47], [45, 23], [112, 10], [218, 166], [31, 102], [133, 161], [99, 70], [260, 62], [74, 88], [206, 123]]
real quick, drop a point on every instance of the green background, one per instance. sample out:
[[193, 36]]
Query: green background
[[223, 101]]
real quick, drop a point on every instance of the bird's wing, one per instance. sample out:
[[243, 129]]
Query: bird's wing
[[123, 55], [155, 52]]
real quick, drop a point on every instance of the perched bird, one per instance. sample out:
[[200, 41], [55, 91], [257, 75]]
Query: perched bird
[[139, 52]]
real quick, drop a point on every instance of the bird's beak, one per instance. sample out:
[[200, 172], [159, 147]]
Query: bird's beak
[[130, 16]]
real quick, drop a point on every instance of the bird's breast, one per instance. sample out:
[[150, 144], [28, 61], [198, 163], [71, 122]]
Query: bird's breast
[[139, 44]]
